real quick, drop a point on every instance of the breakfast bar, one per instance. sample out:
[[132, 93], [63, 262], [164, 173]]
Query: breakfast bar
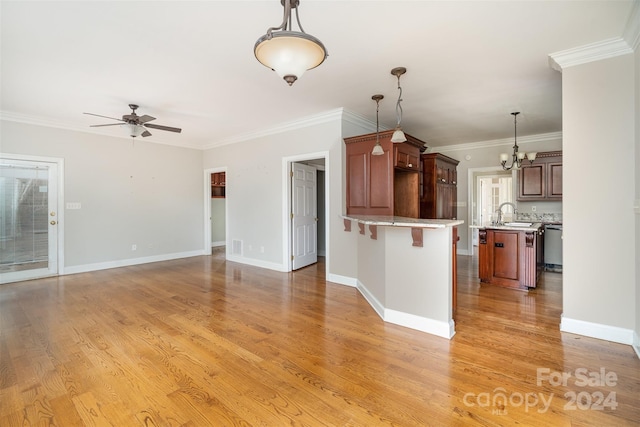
[[406, 269]]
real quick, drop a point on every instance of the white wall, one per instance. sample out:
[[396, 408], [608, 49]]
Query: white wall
[[637, 202], [256, 193], [137, 193], [599, 282], [218, 222]]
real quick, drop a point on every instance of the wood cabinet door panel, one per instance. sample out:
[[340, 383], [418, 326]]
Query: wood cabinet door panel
[[406, 157], [531, 181], [381, 183], [555, 180], [442, 174], [357, 180], [541, 180], [505, 258], [439, 192]]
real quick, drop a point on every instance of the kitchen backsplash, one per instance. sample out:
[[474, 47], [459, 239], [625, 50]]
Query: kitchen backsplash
[[539, 217]]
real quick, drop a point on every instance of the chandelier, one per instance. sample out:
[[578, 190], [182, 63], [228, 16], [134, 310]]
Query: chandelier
[[517, 157], [289, 53]]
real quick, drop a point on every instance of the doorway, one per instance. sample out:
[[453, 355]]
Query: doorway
[[305, 230], [488, 188], [30, 235], [215, 210]]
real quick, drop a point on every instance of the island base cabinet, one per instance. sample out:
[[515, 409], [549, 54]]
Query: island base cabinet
[[509, 258]]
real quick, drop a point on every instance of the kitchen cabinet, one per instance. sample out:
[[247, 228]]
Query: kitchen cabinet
[[406, 157], [439, 186], [542, 179], [218, 185], [388, 184], [511, 258]]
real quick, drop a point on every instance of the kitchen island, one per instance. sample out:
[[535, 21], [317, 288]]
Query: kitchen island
[[406, 269], [511, 255]]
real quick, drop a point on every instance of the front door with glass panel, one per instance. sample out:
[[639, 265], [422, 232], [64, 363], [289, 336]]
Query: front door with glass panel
[[28, 219]]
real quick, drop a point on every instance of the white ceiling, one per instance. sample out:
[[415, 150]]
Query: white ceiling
[[191, 64]]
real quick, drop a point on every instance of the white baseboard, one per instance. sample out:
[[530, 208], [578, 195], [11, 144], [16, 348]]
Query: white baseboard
[[636, 343], [218, 243], [597, 330], [372, 300], [462, 252], [424, 324], [257, 263], [342, 280], [128, 262]]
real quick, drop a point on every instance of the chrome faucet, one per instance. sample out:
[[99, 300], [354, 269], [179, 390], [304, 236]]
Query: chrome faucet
[[499, 211]]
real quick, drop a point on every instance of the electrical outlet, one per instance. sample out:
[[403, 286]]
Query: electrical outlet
[[533, 208], [261, 249], [134, 247]]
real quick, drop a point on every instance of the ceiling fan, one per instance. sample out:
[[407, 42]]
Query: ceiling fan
[[136, 124]]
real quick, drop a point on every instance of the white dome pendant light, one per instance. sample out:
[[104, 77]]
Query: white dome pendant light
[[289, 53]]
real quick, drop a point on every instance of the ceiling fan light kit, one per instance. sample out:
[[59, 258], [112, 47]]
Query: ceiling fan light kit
[[289, 53], [135, 125]]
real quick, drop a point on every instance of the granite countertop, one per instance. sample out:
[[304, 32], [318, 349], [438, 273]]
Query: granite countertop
[[525, 226], [399, 221]]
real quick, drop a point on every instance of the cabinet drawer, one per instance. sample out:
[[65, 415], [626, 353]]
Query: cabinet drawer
[[406, 157]]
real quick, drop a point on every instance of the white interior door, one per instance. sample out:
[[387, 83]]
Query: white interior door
[[304, 216], [28, 220]]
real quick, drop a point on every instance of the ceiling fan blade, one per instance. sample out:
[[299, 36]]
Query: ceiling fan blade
[[106, 117], [160, 127], [109, 124], [145, 133], [145, 119]]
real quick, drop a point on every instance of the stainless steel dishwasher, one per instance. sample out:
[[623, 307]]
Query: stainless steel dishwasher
[[553, 247]]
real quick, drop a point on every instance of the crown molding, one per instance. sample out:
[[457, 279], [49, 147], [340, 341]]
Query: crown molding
[[324, 117], [361, 121], [40, 121], [589, 53], [632, 30], [522, 140]]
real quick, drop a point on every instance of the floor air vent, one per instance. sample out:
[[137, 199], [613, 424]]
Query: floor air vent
[[236, 247]]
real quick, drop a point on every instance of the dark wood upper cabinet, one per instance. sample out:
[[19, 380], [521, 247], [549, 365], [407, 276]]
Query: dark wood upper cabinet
[[541, 180], [383, 185], [439, 187], [218, 185]]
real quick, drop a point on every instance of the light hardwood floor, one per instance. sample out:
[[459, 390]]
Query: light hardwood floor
[[205, 342]]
